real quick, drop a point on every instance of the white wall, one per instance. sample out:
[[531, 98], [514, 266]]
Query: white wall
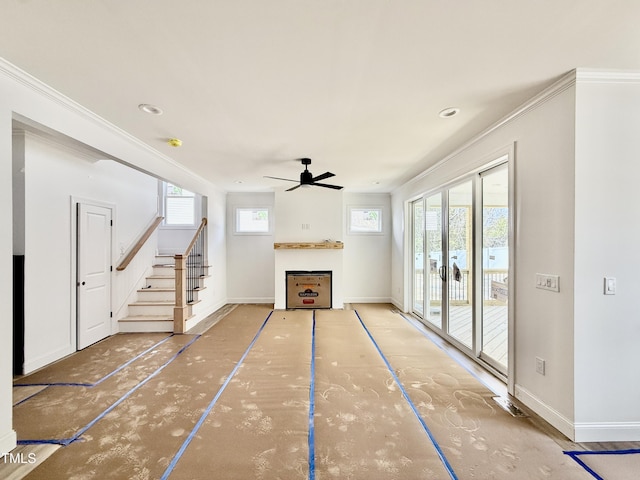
[[607, 328], [544, 196], [365, 260], [576, 165], [251, 257], [53, 176], [367, 257], [7, 435], [309, 215], [24, 97]]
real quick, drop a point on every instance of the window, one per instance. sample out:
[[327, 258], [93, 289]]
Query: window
[[253, 220], [179, 206], [365, 220]]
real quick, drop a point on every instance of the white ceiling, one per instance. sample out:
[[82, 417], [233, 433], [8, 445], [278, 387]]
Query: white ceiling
[[251, 85]]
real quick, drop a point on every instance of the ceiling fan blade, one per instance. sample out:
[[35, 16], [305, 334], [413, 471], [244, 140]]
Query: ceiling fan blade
[[278, 178], [326, 185], [323, 176], [292, 188]]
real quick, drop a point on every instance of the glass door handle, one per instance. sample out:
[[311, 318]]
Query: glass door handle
[[443, 273]]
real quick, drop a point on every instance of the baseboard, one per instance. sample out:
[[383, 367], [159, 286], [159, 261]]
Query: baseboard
[[192, 322], [398, 304], [39, 362], [367, 300], [552, 416], [8, 441], [608, 432], [251, 300]]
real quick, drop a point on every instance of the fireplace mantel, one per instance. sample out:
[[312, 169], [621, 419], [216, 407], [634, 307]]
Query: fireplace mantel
[[308, 246]]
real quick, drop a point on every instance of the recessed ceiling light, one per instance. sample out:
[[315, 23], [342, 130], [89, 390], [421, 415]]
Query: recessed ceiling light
[[449, 112], [150, 109]]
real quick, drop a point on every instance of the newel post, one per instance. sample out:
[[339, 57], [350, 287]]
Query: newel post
[[180, 310]]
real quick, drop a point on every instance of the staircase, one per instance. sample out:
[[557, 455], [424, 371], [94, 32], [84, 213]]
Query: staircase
[[153, 309]]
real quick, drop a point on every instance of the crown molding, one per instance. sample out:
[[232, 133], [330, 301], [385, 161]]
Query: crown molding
[[25, 79], [594, 75], [565, 82]]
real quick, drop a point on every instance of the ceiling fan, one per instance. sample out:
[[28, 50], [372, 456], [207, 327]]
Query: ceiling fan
[[307, 178]]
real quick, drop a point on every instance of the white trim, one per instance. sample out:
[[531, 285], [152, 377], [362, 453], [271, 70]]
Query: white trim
[[552, 416], [74, 201], [200, 316], [8, 441], [241, 300], [368, 300], [584, 75], [607, 432], [20, 76], [38, 362], [547, 94]]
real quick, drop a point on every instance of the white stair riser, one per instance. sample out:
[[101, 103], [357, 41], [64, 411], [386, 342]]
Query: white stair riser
[[156, 282], [164, 271], [150, 295], [146, 327], [140, 309], [161, 269]]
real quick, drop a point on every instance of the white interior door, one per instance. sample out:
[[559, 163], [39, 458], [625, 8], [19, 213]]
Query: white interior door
[[94, 274]]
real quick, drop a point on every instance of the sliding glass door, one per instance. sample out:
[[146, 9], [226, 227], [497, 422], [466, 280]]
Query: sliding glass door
[[460, 271], [495, 265], [417, 212], [461, 263]]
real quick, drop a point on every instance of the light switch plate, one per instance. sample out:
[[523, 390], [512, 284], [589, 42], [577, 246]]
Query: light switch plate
[[610, 285], [548, 282]]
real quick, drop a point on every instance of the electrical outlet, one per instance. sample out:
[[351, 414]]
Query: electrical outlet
[[540, 365]]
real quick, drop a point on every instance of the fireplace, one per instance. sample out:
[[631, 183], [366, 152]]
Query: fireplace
[[308, 289]]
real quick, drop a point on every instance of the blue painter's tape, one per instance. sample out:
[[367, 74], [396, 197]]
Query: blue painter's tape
[[72, 384], [575, 454], [29, 397], [312, 407], [585, 466], [204, 415], [67, 441], [434, 442]]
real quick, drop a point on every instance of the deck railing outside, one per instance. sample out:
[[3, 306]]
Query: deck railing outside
[[459, 291]]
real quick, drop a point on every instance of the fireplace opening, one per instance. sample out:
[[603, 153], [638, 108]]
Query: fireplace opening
[[308, 289]]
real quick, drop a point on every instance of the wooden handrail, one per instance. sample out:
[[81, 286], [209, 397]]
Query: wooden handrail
[[136, 248], [195, 237]]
